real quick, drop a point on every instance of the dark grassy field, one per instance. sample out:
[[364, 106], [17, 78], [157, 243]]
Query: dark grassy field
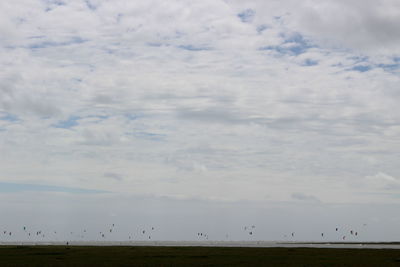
[[193, 256]]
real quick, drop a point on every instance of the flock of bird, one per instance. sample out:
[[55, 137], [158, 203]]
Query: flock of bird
[[341, 235], [102, 235], [145, 233], [251, 229]]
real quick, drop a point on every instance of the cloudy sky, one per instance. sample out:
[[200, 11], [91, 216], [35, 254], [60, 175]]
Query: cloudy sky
[[204, 115]]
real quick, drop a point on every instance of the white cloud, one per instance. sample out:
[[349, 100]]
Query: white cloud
[[383, 181]]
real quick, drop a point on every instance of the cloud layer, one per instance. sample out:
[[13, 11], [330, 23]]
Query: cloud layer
[[214, 100]]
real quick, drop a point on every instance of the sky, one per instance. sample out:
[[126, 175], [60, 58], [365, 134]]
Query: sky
[[198, 116]]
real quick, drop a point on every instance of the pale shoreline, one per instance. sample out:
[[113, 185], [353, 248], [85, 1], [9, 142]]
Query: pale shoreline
[[258, 244]]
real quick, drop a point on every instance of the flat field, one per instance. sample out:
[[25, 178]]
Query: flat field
[[193, 256]]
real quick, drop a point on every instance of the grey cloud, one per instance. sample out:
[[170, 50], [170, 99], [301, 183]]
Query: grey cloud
[[211, 115], [95, 137], [40, 107], [369, 25], [114, 176], [304, 197], [15, 99], [301, 122], [104, 99]]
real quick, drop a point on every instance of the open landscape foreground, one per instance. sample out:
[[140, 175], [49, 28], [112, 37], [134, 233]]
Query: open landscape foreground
[[58, 255]]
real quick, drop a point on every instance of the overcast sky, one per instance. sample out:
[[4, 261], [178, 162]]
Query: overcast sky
[[201, 116]]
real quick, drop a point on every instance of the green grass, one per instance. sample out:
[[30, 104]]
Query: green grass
[[193, 256]]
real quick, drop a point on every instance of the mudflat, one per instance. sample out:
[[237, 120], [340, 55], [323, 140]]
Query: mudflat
[[193, 256]]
